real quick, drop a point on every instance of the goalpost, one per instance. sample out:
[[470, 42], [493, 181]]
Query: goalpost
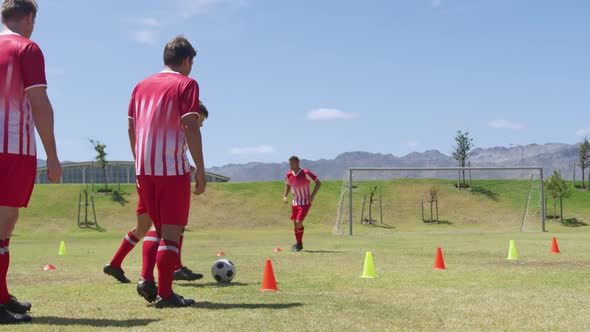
[[467, 198]]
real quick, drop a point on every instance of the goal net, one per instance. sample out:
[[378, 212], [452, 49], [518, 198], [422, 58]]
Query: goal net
[[377, 200]]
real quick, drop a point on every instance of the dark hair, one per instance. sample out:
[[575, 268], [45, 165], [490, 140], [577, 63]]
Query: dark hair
[[18, 9], [177, 50], [294, 158], [203, 110]]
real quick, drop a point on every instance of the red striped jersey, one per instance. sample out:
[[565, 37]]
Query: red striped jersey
[[157, 106], [22, 67], [300, 186]]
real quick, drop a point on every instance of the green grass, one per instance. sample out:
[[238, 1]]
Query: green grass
[[320, 290]]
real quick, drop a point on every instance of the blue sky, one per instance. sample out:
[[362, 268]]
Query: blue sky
[[317, 78]]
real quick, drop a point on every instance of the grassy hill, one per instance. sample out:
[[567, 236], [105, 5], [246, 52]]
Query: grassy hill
[[490, 205]]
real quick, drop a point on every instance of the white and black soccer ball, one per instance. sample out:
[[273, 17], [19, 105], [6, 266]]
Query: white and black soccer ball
[[223, 270]]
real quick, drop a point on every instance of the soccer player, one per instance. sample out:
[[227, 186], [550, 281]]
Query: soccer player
[[163, 124], [144, 225], [24, 105], [298, 181]]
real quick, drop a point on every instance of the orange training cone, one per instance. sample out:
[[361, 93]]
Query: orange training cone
[[48, 267], [554, 247], [439, 261], [268, 280], [220, 254], [277, 250]]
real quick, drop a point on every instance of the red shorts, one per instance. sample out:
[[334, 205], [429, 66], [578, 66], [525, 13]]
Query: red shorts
[[166, 198], [141, 209], [17, 179], [299, 212]]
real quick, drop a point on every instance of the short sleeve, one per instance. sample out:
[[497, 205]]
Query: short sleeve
[[287, 178], [32, 65], [189, 99], [131, 110], [310, 176]]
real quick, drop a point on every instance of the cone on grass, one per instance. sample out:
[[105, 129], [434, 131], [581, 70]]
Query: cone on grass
[[269, 284], [220, 254], [554, 247], [369, 267], [277, 250], [62, 248], [512, 254], [439, 261], [48, 267]]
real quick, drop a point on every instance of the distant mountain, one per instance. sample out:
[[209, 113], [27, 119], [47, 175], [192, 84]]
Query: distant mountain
[[549, 156]]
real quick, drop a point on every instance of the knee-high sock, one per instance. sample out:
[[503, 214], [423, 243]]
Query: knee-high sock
[[151, 242], [166, 259], [299, 234], [127, 245], [4, 263], [178, 264]]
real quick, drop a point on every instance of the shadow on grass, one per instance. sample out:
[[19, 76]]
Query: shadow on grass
[[485, 192], [440, 222], [92, 227], [213, 284], [94, 322], [324, 251], [376, 225], [227, 306], [573, 222]]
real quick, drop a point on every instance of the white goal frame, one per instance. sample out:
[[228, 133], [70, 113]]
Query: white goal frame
[[352, 170]]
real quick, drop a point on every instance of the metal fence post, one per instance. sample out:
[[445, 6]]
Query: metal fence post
[[542, 199], [350, 201]]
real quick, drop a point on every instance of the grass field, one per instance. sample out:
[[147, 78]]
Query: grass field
[[320, 290]]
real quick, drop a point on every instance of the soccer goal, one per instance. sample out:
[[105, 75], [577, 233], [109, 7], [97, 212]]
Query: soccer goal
[[378, 200]]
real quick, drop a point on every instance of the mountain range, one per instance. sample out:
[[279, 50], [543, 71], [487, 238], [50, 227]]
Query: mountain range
[[551, 156]]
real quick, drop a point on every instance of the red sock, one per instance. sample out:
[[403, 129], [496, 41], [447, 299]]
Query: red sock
[[299, 235], [151, 241], [4, 262], [167, 256], [178, 264], [128, 244]]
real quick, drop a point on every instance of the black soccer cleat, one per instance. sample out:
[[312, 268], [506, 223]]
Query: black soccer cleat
[[117, 273], [16, 306], [297, 247], [185, 274], [174, 301], [147, 289], [9, 317]]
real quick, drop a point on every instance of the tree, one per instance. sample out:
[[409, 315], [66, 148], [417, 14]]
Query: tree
[[584, 159], [558, 189], [101, 158], [463, 147]]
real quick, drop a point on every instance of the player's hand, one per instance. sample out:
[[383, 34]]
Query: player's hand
[[285, 200], [54, 170], [200, 187], [311, 198]]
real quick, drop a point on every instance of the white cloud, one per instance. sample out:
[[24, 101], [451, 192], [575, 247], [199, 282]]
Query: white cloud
[[261, 149], [504, 124], [330, 114], [412, 144], [195, 7], [144, 36], [149, 22], [436, 3], [584, 132]]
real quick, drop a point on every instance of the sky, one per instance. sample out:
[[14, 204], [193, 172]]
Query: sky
[[317, 78]]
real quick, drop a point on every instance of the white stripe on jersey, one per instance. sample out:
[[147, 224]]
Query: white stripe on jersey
[[13, 125], [147, 146], [9, 77], [3, 111]]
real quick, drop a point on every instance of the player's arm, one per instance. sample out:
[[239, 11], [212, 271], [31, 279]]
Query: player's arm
[[43, 118], [131, 131], [316, 188], [286, 193], [192, 132]]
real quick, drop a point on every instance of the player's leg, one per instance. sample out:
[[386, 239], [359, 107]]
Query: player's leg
[[298, 227], [182, 272], [146, 287], [11, 310], [129, 241], [173, 199]]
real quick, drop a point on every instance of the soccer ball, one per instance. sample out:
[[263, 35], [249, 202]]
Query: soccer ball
[[223, 271]]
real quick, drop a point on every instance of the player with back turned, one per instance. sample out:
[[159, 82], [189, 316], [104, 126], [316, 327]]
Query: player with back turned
[[163, 124], [24, 106]]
